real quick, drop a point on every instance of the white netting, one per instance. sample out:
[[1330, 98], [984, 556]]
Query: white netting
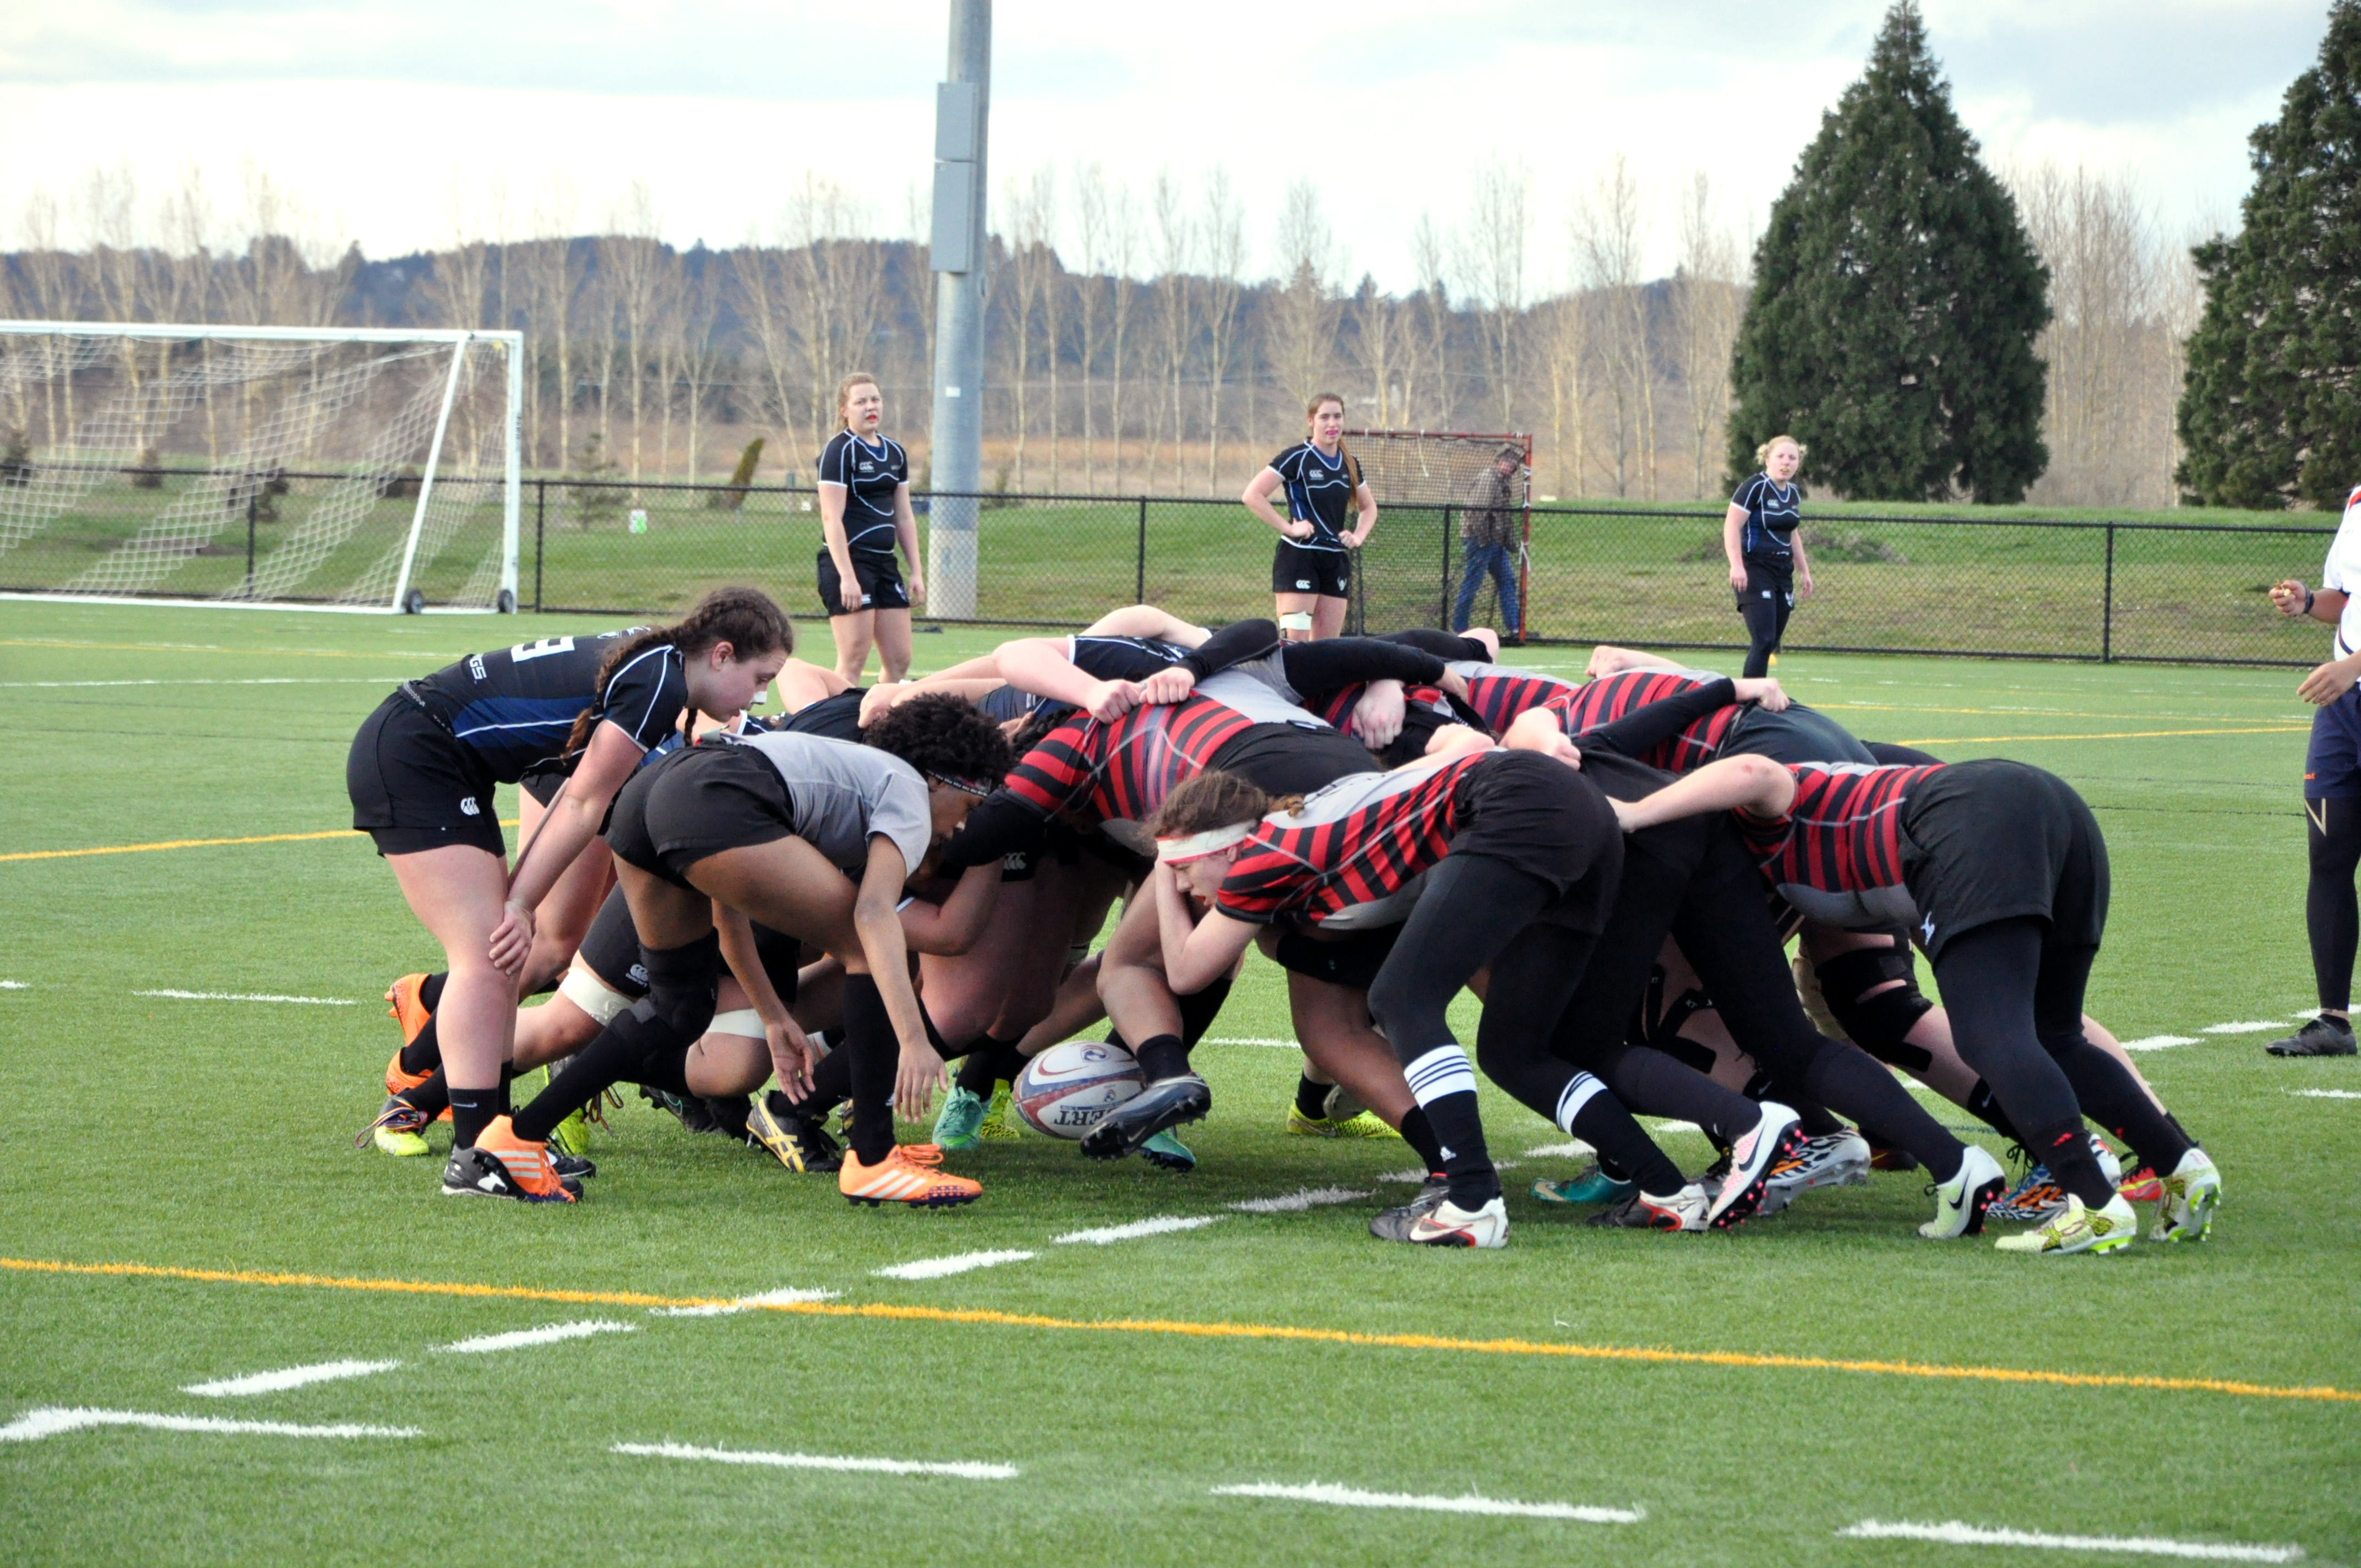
[[245, 469], [1418, 468]]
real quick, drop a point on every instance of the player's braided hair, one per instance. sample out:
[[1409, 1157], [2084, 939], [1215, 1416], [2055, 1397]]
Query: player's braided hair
[[746, 618], [1352, 464], [1215, 799], [943, 737]]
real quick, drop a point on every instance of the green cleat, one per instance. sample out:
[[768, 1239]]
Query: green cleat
[[1166, 1152], [957, 1124], [2192, 1193], [399, 1130], [401, 1145], [571, 1137], [1593, 1186], [1362, 1124], [2077, 1228], [995, 1120]]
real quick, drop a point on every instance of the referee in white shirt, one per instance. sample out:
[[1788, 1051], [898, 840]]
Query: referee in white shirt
[[2331, 790]]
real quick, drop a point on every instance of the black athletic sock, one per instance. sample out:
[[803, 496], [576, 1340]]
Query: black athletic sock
[[614, 1057], [2112, 1097], [472, 1110], [873, 1053], [2332, 917], [2066, 1152], [1589, 1112], [1418, 1133], [1984, 1106], [988, 1064], [1652, 1083], [434, 1096], [1459, 1133], [1312, 1099], [430, 990], [731, 1110], [667, 1069], [508, 1083], [831, 1086], [425, 1052], [1867, 1089], [1161, 1057], [1200, 1008]]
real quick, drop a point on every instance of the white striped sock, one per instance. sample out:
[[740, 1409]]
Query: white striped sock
[[1441, 1071], [1578, 1092]]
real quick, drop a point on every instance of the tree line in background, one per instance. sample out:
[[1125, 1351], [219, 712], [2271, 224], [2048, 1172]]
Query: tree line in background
[[2025, 337]]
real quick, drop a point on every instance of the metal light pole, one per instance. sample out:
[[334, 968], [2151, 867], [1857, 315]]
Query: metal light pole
[[963, 112]]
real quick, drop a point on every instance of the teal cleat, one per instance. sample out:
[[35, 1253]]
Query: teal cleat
[[1593, 1186], [1166, 1152], [957, 1125]]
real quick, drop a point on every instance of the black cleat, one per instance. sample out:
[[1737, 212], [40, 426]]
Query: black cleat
[[1395, 1224], [1167, 1103], [799, 1142], [572, 1167], [2323, 1036], [479, 1173], [729, 1112]]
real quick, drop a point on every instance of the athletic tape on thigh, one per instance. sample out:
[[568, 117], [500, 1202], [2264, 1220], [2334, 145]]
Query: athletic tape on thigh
[[593, 995], [1441, 1071], [737, 1021], [1295, 621]]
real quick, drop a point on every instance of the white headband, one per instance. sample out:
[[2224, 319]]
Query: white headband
[[1197, 846]]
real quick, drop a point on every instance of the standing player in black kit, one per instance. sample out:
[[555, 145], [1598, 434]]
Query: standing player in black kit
[[865, 509], [1767, 566], [1311, 575]]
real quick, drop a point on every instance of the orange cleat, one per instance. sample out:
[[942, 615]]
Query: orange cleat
[[506, 1166], [909, 1174], [405, 1009], [400, 1082]]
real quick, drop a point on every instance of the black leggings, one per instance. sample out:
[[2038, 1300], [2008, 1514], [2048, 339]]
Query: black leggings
[[1765, 618], [1472, 908], [2014, 997], [648, 1042], [2330, 915]]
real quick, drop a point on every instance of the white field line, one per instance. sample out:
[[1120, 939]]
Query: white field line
[[745, 1303], [1251, 1040], [1666, 1125], [2326, 1093], [264, 681], [249, 996], [289, 1377], [1577, 1149], [553, 1333], [2159, 1042], [1412, 1175], [1302, 1198], [958, 1263], [1951, 1532], [1163, 1226], [1352, 1497], [13, 985], [2250, 1027], [965, 1469], [50, 1422]]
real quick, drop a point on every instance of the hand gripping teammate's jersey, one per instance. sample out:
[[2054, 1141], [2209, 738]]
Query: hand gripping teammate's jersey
[[1611, 697], [1772, 510], [515, 705], [1499, 694], [1836, 856], [1352, 846], [1320, 492], [871, 476], [1122, 772]]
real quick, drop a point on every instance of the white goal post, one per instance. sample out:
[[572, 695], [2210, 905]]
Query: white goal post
[[349, 468]]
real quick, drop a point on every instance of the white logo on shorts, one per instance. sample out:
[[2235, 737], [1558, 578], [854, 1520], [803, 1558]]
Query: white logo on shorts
[[1303, 585], [467, 804], [1928, 930], [638, 974]]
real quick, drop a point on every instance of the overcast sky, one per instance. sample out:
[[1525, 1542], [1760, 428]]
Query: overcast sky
[[375, 112]]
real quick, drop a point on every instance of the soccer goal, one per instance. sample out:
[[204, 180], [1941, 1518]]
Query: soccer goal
[[319, 468], [1426, 483]]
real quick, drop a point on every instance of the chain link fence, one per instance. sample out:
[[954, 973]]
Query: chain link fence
[[2130, 589]]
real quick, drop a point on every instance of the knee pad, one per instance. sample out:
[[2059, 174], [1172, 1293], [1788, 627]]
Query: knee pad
[[682, 984], [1661, 1018], [1878, 1023]]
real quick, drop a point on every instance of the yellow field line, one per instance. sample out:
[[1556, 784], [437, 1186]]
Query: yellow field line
[[2116, 735], [190, 844], [1215, 1330]]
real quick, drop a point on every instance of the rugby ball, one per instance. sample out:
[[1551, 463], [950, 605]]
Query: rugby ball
[[1063, 1091]]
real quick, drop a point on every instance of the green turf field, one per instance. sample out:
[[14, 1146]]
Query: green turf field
[[1727, 1397]]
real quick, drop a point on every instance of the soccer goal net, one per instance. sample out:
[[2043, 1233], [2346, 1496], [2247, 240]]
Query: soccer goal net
[[1438, 492], [293, 466]]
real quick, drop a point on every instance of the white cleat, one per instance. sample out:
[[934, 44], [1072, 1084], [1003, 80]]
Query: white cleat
[[1961, 1202], [2192, 1193], [1775, 1138], [1451, 1226], [1834, 1159], [2077, 1228]]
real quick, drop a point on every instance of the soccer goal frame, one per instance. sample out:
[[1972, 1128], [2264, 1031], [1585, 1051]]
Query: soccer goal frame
[[401, 474], [1448, 463]]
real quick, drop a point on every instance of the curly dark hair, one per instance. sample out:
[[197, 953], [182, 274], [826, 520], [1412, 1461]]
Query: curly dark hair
[[945, 736]]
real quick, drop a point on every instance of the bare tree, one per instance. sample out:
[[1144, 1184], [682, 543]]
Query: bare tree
[[1377, 343], [554, 281], [703, 354], [55, 290], [633, 259], [839, 275], [1565, 337], [1089, 297], [1123, 243], [1610, 231], [1707, 297], [1176, 246], [1427, 343], [455, 289], [1491, 254], [1303, 316], [1031, 203], [1223, 230]]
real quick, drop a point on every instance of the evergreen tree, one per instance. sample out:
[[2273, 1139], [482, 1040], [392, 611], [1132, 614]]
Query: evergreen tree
[[2268, 412], [1896, 299]]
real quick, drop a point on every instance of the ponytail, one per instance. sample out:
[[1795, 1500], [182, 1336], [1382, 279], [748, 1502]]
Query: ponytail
[[746, 618]]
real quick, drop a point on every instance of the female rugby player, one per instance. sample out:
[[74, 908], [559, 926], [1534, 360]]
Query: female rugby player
[[865, 509], [1311, 575], [1768, 569], [422, 772]]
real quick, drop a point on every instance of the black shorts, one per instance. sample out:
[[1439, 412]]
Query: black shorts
[[1353, 963], [838, 718], [880, 577], [1286, 759], [543, 780], [1548, 821], [1768, 580], [1992, 840], [1295, 570], [415, 786], [697, 801], [611, 949]]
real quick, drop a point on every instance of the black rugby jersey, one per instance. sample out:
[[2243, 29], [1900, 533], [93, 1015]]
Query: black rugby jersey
[[514, 706], [1772, 510], [1320, 492], [870, 476]]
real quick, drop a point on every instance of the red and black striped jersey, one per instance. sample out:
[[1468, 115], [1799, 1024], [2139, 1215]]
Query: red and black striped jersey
[[1842, 835], [1609, 698], [1500, 693], [1124, 769], [1360, 839]]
